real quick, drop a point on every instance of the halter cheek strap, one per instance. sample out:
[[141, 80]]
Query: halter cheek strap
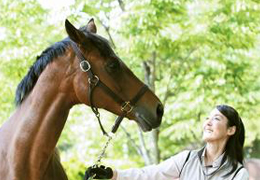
[[94, 81], [127, 107]]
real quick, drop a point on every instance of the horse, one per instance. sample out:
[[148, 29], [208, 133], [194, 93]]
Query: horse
[[80, 69]]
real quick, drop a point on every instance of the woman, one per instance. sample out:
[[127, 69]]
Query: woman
[[220, 159]]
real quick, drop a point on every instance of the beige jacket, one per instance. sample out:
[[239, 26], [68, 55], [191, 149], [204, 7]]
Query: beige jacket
[[176, 167]]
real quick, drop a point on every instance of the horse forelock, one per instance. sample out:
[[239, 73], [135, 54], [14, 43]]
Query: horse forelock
[[47, 56], [102, 44]]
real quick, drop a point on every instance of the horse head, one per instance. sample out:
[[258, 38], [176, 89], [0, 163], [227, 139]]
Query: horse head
[[95, 53]]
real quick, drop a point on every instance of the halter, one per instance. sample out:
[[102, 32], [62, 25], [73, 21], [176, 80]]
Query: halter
[[94, 81]]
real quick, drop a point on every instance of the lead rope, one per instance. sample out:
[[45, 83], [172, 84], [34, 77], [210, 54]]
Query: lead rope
[[109, 138], [126, 106], [101, 155]]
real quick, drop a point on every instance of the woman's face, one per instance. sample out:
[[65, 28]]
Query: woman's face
[[215, 128]]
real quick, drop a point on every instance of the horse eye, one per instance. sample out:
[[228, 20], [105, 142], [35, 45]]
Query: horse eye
[[113, 66]]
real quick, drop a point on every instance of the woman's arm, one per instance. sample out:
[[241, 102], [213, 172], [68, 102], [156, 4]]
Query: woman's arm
[[167, 170]]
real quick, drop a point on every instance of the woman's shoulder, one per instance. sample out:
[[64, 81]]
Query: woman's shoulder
[[241, 173], [184, 155], [180, 156]]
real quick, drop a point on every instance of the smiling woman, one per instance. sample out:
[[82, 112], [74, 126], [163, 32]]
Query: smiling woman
[[220, 159], [224, 131]]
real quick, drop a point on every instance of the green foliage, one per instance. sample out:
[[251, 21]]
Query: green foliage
[[24, 35], [206, 53]]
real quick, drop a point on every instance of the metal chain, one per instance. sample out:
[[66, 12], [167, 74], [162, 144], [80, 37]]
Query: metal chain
[[101, 155]]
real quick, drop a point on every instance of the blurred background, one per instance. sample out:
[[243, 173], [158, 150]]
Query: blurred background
[[194, 54]]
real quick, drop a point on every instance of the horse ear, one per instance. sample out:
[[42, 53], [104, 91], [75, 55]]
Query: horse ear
[[75, 35], [91, 26]]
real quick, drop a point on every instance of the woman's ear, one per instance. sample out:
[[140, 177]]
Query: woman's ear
[[231, 130]]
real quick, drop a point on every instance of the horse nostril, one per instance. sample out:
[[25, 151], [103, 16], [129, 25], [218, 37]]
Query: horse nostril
[[160, 111]]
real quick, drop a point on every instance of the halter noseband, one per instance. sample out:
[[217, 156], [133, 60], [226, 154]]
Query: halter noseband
[[94, 81]]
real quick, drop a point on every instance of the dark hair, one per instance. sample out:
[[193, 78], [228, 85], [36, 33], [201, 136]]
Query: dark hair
[[47, 56], [235, 143]]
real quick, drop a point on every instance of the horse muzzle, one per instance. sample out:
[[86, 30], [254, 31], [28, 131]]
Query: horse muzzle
[[148, 119]]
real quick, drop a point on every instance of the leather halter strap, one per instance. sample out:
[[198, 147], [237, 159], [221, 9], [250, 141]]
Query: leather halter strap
[[94, 81]]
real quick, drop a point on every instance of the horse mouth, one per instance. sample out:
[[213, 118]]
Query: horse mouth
[[143, 122]]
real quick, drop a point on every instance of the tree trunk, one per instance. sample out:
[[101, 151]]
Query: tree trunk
[[150, 77]]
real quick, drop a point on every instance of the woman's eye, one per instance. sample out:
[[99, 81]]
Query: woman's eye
[[217, 119]]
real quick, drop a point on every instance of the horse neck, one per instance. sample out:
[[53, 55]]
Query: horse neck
[[39, 121]]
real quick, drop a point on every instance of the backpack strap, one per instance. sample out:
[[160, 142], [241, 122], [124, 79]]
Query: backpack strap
[[187, 158], [241, 167]]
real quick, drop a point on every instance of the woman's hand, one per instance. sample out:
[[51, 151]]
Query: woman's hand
[[99, 172]]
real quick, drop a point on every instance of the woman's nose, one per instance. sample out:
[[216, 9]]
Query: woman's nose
[[209, 122]]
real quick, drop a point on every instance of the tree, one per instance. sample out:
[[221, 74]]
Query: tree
[[193, 54]]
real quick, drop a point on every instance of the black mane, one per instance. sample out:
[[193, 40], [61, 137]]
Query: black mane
[[47, 56]]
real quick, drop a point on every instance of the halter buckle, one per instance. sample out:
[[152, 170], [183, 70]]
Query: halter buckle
[[85, 66], [93, 81], [126, 107]]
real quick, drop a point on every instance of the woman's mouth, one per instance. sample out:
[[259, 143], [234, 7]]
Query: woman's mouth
[[208, 130]]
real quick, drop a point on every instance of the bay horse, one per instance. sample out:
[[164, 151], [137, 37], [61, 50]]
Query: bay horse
[[57, 81]]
